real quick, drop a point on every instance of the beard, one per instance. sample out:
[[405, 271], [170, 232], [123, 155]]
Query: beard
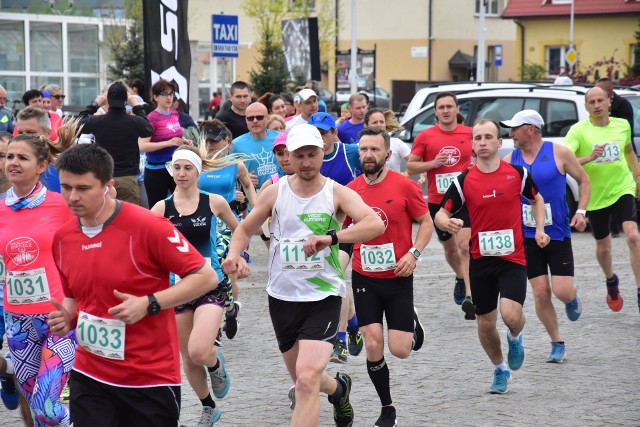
[[372, 168]]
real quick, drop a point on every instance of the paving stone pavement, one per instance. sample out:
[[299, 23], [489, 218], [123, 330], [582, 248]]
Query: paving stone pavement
[[446, 382]]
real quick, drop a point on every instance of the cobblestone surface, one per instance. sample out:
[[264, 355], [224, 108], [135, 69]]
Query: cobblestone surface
[[446, 382]]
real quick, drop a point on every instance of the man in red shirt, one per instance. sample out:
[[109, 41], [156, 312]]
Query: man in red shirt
[[382, 271], [492, 191], [127, 367], [444, 152]]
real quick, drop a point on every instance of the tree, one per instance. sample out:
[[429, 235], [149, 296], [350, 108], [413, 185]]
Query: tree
[[272, 74], [635, 67], [127, 45]]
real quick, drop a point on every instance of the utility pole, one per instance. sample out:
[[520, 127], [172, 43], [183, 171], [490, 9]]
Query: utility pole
[[480, 54]]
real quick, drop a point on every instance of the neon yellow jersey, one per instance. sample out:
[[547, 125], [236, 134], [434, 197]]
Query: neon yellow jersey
[[610, 175]]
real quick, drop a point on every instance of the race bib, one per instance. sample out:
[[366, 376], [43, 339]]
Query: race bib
[[177, 278], [292, 256], [27, 287], [527, 215], [377, 257], [496, 243], [102, 337], [610, 154], [444, 181]]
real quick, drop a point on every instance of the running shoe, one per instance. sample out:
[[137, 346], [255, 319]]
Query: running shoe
[[557, 353], [220, 381], [342, 409], [459, 291], [8, 391], [292, 397], [208, 416], [500, 381], [231, 323], [356, 342], [218, 341], [418, 331], [387, 417], [573, 309], [339, 352], [638, 299], [614, 299], [515, 358], [469, 309]]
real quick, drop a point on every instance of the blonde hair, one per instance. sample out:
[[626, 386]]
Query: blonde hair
[[214, 163], [391, 121], [274, 118]]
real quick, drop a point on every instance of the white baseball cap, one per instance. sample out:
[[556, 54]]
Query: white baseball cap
[[524, 117], [304, 94], [304, 135]]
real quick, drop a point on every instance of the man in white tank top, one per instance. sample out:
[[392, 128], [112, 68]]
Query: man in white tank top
[[306, 284]]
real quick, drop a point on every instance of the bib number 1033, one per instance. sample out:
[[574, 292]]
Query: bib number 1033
[[292, 256], [100, 336], [496, 243]]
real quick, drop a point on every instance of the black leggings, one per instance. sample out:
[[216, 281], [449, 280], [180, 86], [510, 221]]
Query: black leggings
[[158, 184]]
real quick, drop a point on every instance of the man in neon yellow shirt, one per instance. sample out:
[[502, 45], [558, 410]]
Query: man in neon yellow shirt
[[602, 144]]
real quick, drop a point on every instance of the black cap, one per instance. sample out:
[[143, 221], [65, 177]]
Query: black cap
[[215, 133], [117, 95]]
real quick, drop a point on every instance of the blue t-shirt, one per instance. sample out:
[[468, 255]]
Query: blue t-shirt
[[341, 164], [261, 160], [50, 179], [221, 181], [6, 124], [348, 132]]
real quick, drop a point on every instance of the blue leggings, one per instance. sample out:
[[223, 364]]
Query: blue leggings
[[42, 363]]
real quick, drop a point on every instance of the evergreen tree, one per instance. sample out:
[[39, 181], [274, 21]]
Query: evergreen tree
[[128, 53], [272, 74]]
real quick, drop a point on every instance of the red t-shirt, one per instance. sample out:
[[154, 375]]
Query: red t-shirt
[[134, 254], [456, 143], [493, 202], [25, 245], [397, 200]]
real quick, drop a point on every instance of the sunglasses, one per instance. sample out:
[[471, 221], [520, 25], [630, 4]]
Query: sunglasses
[[59, 96], [252, 118]]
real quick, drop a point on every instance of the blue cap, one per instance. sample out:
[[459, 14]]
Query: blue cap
[[324, 121]]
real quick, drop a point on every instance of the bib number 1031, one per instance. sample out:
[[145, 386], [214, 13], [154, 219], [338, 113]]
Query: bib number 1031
[[27, 287], [292, 256], [496, 243]]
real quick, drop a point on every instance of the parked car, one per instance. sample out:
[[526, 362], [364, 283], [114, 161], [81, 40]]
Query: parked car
[[379, 98], [560, 109]]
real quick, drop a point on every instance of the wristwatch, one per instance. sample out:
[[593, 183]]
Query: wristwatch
[[334, 236], [416, 253], [153, 308], [95, 104]]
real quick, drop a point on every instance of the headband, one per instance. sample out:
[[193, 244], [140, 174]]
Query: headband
[[189, 156]]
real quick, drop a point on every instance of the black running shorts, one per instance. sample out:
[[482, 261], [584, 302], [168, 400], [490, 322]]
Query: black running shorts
[[493, 277], [307, 320], [392, 297], [96, 404], [463, 214], [557, 255], [624, 209]]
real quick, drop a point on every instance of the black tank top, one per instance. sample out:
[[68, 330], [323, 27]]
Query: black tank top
[[196, 228]]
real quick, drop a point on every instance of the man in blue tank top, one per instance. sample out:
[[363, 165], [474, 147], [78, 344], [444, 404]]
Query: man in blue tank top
[[548, 164]]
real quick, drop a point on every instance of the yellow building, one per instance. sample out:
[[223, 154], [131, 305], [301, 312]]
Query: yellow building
[[601, 29]]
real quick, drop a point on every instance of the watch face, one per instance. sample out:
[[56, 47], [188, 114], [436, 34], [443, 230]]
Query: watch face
[[416, 253], [154, 308]]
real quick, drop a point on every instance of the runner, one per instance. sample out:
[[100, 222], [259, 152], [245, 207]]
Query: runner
[[306, 209], [551, 163], [491, 191], [127, 369], [194, 212], [382, 275], [29, 216], [444, 152]]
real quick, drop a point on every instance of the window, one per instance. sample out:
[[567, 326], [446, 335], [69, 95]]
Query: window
[[15, 88], [46, 46], [83, 56], [491, 7], [556, 63], [12, 52], [82, 91], [500, 109], [559, 117]]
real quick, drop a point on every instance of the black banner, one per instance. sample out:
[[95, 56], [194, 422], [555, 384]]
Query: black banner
[[166, 44]]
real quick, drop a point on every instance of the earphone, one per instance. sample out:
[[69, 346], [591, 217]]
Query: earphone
[[106, 190]]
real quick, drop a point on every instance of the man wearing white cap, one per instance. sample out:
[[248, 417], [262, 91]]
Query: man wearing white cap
[[306, 101], [551, 162], [306, 284], [602, 145]]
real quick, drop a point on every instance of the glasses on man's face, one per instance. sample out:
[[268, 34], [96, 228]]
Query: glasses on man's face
[[59, 96], [252, 118]]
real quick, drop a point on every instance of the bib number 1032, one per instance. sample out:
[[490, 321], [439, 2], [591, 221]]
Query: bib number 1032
[[292, 256], [496, 243]]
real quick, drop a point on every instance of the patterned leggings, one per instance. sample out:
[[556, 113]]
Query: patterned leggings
[[223, 239], [42, 363]]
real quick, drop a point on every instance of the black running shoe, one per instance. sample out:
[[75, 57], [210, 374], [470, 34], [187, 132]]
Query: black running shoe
[[342, 409], [469, 309], [459, 291], [418, 331], [231, 323], [387, 417]]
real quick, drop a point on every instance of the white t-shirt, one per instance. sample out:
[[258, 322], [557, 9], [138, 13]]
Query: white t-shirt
[[399, 150]]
